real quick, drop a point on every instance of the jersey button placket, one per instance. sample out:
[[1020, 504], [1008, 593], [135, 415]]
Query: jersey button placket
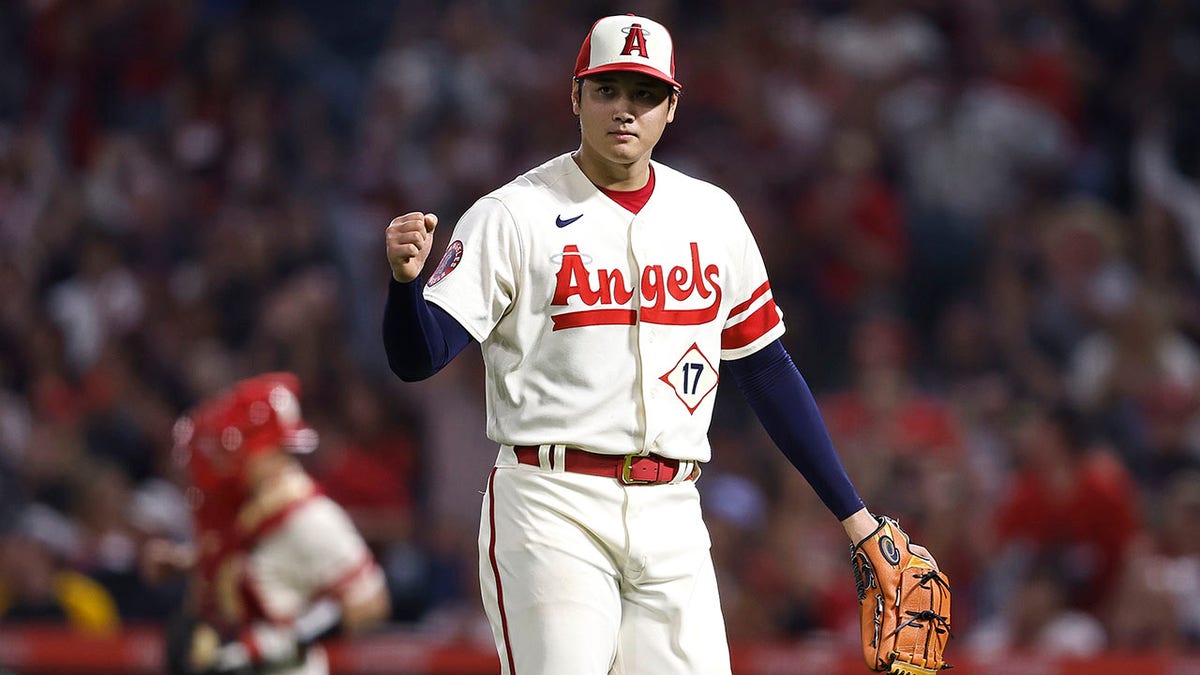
[[638, 248]]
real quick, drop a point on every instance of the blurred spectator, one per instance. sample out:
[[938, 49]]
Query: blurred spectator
[[970, 150], [1147, 614], [370, 468], [1025, 45], [1165, 182], [1113, 39], [1139, 374], [1069, 501], [969, 371], [1170, 432], [1155, 607], [850, 229], [37, 584], [1155, 604], [879, 40], [108, 545], [1082, 279], [884, 414], [1040, 620]]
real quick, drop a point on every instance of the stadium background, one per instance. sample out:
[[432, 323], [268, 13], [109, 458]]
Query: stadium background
[[981, 219]]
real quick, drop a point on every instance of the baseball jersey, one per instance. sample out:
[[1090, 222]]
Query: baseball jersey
[[600, 328]]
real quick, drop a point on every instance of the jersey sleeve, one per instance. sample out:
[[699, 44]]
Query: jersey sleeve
[[316, 553], [475, 282], [754, 321]]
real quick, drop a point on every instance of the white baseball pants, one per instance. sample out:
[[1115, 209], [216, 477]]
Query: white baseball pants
[[583, 575]]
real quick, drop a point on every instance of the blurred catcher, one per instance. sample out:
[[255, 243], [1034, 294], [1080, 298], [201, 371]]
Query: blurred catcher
[[276, 566]]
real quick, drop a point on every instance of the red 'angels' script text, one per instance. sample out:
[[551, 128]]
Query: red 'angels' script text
[[607, 291]]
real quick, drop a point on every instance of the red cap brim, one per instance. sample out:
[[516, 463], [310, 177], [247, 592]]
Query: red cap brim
[[630, 68]]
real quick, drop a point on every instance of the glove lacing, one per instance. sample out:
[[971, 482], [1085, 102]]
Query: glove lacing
[[941, 623]]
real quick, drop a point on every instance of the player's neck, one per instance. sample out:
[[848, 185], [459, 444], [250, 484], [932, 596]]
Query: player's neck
[[612, 175]]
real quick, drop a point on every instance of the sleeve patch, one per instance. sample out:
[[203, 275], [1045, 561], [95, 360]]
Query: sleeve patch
[[450, 260]]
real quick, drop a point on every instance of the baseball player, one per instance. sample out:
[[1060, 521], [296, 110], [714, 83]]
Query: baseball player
[[276, 565], [604, 290]]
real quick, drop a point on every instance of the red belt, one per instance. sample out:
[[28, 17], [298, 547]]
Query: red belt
[[629, 469]]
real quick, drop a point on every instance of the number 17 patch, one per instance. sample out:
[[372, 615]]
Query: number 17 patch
[[693, 378]]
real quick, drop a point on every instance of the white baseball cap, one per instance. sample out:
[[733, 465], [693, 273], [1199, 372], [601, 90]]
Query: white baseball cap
[[628, 43]]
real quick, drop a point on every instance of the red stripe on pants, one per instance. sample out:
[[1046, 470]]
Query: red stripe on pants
[[496, 570]]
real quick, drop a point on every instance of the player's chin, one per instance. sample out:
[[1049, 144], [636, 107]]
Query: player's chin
[[626, 151]]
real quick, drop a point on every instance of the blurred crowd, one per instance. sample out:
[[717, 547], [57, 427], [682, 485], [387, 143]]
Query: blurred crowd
[[981, 220]]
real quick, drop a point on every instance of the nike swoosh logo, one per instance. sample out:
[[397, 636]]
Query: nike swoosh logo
[[561, 222]]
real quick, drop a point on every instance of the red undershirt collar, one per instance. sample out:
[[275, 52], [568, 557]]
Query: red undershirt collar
[[632, 200]]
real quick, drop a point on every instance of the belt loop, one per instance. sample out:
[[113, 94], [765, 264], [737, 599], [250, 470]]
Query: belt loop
[[684, 471], [507, 456], [544, 462], [559, 463]]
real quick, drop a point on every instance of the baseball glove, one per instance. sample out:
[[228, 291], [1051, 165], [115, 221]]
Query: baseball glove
[[904, 603]]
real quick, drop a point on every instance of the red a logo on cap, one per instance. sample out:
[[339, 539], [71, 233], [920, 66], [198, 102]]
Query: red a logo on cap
[[635, 39]]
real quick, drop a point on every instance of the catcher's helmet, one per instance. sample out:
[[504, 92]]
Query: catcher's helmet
[[257, 415]]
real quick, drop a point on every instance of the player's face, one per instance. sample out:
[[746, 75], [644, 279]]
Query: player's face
[[622, 115]]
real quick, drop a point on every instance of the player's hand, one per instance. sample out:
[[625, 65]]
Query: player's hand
[[409, 239], [161, 559], [263, 645]]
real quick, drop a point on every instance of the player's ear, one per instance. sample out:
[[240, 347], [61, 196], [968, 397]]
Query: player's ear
[[671, 105], [576, 92]]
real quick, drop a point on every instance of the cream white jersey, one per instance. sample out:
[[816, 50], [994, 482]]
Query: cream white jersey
[[602, 329]]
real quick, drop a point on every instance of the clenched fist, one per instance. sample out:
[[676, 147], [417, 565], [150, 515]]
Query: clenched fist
[[409, 238]]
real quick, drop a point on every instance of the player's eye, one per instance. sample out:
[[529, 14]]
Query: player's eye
[[604, 89], [650, 96]]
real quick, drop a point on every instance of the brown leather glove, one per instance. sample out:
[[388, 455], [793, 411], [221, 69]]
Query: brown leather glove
[[904, 602]]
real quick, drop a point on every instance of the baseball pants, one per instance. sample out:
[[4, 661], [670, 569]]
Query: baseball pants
[[584, 575]]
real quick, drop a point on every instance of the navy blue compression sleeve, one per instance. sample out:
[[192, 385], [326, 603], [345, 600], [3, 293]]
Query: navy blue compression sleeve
[[784, 404], [420, 338]]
